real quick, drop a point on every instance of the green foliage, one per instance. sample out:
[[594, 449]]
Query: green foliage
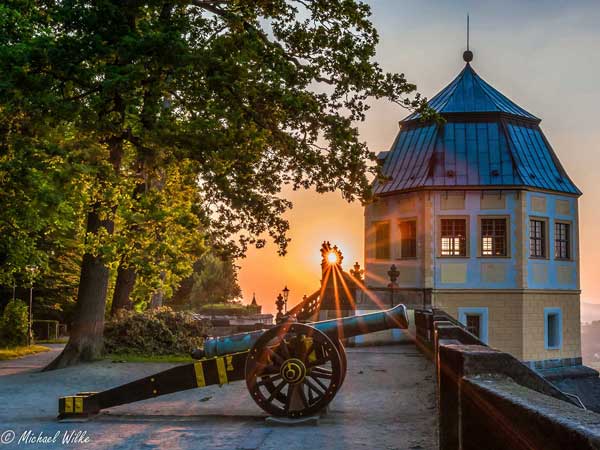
[[230, 309], [55, 289], [214, 281], [20, 351], [257, 94], [172, 126], [160, 331], [14, 324], [159, 232], [41, 199]]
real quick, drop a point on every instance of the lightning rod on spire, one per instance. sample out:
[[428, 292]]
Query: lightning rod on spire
[[468, 54]]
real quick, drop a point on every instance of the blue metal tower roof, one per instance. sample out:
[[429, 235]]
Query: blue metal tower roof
[[487, 141], [468, 92]]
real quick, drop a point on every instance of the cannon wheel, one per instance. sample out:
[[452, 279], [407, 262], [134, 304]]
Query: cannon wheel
[[270, 386], [342, 351], [293, 370]]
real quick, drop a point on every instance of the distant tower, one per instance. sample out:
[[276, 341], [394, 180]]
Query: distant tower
[[481, 220], [254, 304]]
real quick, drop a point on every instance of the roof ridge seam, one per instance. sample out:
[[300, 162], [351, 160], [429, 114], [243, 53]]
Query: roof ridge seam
[[481, 84], [486, 88], [452, 89]]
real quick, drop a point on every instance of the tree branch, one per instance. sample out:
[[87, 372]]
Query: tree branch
[[209, 5]]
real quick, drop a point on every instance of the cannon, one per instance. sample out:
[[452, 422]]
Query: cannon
[[292, 370]]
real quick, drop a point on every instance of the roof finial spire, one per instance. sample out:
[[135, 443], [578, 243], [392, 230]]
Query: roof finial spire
[[468, 54], [467, 31]]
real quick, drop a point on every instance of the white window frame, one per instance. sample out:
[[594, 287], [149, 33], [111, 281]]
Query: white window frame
[[483, 312]]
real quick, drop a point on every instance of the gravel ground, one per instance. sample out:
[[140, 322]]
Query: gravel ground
[[387, 402]]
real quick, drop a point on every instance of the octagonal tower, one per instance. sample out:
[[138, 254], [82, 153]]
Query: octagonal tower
[[481, 220]]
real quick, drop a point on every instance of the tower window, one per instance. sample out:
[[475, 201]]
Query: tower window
[[475, 320], [453, 237], [473, 324], [382, 240], [537, 238], [562, 238], [408, 239], [553, 328], [493, 237]]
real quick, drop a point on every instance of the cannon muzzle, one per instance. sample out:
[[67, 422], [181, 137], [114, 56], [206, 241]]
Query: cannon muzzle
[[342, 328]]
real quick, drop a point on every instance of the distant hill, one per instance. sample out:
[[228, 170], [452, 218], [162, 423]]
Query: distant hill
[[590, 312], [590, 334]]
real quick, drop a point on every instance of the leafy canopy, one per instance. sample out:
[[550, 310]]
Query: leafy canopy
[[250, 95]]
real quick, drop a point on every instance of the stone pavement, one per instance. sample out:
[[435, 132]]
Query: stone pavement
[[387, 402]]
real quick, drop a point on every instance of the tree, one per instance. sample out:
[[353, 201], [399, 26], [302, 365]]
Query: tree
[[214, 281], [259, 93], [159, 235], [14, 324], [42, 197]]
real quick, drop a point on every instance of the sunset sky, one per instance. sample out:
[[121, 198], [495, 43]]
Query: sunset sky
[[544, 55]]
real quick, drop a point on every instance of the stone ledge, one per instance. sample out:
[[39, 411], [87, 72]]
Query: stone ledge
[[553, 363], [559, 373], [481, 360], [544, 421]]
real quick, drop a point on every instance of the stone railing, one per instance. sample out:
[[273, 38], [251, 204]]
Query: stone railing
[[487, 399]]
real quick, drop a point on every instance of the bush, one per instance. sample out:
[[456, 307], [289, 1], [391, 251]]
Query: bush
[[160, 331], [228, 309], [14, 324]]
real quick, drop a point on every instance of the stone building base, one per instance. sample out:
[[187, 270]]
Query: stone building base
[[515, 321]]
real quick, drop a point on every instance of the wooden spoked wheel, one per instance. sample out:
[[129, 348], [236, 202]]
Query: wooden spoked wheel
[[342, 351], [270, 386], [293, 370]]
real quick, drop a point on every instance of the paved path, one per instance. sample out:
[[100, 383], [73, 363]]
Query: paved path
[[30, 363], [387, 402]]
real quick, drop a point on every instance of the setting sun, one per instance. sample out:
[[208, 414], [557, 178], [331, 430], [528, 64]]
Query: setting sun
[[332, 258]]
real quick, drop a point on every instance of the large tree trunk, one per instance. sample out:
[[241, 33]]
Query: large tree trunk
[[87, 328], [123, 287], [85, 338]]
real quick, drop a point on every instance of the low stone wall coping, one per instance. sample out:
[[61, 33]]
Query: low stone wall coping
[[556, 424], [481, 359]]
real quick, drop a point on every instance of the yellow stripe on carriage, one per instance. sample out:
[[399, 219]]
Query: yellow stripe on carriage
[[221, 370], [200, 380], [78, 404], [68, 404]]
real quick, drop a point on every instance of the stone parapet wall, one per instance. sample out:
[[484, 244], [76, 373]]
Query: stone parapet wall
[[488, 399]]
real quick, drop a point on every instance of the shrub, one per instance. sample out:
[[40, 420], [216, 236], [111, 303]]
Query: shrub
[[228, 309], [14, 323], [160, 331]]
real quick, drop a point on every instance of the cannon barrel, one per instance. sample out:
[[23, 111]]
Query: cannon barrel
[[342, 328]]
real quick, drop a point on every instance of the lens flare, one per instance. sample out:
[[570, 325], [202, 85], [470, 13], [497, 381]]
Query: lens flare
[[332, 258]]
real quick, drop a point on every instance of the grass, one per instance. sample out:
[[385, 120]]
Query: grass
[[127, 357], [20, 351], [53, 341]]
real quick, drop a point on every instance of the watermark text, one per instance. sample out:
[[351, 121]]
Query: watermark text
[[31, 437]]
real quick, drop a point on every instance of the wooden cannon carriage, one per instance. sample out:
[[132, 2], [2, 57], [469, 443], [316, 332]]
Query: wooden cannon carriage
[[292, 370]]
